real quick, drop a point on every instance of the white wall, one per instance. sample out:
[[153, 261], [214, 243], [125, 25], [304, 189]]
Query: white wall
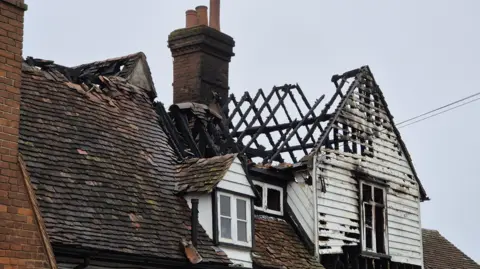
[[238, 256], [204, 210], [300, 201], [235, 180]]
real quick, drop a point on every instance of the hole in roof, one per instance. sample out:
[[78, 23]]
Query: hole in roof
[[121, 67]]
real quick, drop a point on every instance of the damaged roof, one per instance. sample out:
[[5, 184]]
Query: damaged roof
[[439, 253], [278, 246], [99, 161], [202, 174]]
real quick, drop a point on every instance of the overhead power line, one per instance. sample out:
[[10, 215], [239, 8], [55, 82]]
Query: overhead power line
[[439, 113], [429, 114]]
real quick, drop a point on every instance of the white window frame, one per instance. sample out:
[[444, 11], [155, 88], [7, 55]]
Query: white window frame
[[265, 187], [233, 212], [363, 223]]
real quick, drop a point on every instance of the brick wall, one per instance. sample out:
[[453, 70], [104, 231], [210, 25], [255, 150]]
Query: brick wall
[[201, 57], [21, 244]]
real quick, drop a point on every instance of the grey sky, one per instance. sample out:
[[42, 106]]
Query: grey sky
[[423, 54]]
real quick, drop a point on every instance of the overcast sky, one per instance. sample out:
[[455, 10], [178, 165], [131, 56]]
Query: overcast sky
[[423, 54]]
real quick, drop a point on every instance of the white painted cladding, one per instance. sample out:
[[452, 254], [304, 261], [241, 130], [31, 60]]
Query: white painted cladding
[[338, 206], [300, 200], [235, 180]]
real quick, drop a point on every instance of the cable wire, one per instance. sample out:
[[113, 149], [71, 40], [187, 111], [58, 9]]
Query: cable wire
[[439, 108], [439, 113]]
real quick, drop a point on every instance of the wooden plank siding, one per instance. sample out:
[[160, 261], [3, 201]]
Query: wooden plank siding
[[338, 206], [300, 200], [235, 180]]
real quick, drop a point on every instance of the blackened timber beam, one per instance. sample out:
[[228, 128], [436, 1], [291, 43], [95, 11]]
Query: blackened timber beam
[[258, 113], [167, 123], [282, 138], [349, 92], [327, 107], [270, 117], [250, 108], [260, 120], [305, 100], [238, 106], [300, 124], [289, 118], [205, 137], [279, 127], [243, 119], [299, 90], [185, 130]]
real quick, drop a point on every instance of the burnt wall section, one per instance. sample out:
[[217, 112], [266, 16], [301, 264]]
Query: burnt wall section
[[361, 139]]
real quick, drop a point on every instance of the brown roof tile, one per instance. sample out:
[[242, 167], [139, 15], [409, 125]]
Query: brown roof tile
[[101, 166], [439, 253], [202, 174], [278, 246]]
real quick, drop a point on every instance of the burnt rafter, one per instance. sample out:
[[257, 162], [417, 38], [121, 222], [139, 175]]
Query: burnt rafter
[[275, 125]]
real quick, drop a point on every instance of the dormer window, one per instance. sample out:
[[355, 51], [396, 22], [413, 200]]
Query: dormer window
[[234, 219], [271, 198]]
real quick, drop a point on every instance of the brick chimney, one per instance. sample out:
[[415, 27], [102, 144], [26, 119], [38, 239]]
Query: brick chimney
[[22, 243], [201, 56]]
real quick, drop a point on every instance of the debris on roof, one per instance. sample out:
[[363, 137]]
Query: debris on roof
[[191, 252], [104, 176]]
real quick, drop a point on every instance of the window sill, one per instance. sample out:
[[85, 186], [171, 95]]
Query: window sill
[[375, 255], [239, 246]]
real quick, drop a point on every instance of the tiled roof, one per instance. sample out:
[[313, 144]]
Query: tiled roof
[[278, 246], [101, 165], [202, 174], [439, 253]]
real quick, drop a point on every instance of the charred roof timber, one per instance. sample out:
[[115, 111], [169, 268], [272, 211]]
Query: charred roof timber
[[253, 121]]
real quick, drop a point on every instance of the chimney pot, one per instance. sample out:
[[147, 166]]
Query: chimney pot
[[215, 14], [202, 15], [191, 18]]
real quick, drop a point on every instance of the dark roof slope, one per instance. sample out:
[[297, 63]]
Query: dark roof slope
[[202, 174], [439, 253], [278, 246], [101, 165]]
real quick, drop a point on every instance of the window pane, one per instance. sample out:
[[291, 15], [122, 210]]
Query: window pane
[[242, 231], [378, 196], [273, 202], [368, 238], [368, 215], [366, 192], [259, 200], [379, 229], [225, 228], [241, 209], [224, 205]]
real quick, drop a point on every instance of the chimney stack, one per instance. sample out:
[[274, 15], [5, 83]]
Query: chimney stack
[[22, 242], [201, 57], [215, 14]]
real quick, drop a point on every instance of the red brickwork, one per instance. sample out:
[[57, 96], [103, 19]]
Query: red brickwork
[[21, 245], [201, 56]]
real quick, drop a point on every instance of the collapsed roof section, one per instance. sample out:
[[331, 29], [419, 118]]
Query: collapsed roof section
[[281, 128], [278, 126]]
